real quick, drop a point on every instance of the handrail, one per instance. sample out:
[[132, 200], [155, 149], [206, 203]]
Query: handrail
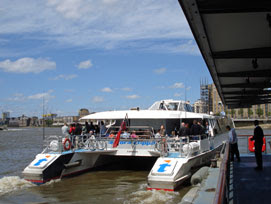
[[250, 135], [221, 185]]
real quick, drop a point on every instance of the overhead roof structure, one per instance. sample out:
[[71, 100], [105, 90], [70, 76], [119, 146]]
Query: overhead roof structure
[[234, 37]]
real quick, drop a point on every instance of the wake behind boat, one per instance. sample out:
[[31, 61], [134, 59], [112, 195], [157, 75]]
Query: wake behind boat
[[131, 139]]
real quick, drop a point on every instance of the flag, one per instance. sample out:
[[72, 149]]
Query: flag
[[122, 128]]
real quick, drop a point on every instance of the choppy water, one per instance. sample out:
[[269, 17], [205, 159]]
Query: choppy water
[[18, 148]]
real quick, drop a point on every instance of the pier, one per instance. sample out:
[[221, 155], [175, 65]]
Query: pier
[[237, 54], [250, 186], [235, 182]]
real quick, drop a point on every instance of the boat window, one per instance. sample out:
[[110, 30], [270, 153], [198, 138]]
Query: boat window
[[172, 106], [155, 106]]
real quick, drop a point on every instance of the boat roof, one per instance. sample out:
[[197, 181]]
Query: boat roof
[[163, 109], [144, 114]]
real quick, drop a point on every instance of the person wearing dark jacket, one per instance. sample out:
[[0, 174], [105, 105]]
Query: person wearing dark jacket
[[258, 138], [196, 129], [186, 130], [78, 129], [182, 129]]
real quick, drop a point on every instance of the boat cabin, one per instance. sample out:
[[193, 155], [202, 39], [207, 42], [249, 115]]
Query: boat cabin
[[171, 105]]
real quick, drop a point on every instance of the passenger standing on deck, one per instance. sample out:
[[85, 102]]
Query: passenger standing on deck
[[78, 129], [196, 129], [86, 129], [65, 130], [91, 127], [72, 129], [162, 131], [102, 129], [182, 129], [233, 143], [207, 129], [258, 137]]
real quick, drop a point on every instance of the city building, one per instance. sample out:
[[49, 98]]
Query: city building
[[5, 117], [216, 107], [204, 97], [13, 122], [83, 112], [199, 106], [59, 121]]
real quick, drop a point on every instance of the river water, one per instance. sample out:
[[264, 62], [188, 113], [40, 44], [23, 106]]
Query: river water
[[18, 148]]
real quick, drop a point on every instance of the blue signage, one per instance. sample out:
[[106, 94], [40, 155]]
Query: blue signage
[[143, 143], [162, 167], [40, 161]]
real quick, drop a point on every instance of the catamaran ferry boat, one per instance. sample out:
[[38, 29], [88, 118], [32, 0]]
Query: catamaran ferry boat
[[130, 139]]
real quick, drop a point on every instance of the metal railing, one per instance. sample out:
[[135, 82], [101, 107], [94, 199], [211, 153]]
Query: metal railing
[[222, 189], [243, 142], [164, 145]]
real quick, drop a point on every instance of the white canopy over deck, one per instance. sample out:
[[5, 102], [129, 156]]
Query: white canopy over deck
[[234, 37]]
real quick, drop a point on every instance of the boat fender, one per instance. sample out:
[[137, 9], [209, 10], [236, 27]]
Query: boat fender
[[67, 144], [190, 196], [199, 175], [73, 164]]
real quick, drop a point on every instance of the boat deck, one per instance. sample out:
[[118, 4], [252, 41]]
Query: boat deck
[[249, 185]]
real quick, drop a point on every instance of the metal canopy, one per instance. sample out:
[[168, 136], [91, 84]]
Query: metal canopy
[[234, 37]]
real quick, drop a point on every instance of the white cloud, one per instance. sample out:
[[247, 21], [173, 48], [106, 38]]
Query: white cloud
[[46, 95], [107, 90], [134, 96], [126, 89], [188, 88], [69, 8], [69, 100], [160, 70], [65, 77], [85, 64], [104, 24], [160, 87], [17, 97], [97, 99], [189, 47], [177, 85], [27, 65], [177, 94]]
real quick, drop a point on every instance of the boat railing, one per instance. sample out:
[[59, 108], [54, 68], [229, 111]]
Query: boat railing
[[185, 145], [52, 144], [222, 191]]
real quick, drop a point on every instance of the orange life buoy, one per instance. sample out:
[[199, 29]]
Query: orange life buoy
[[67, 146], [251, 145]]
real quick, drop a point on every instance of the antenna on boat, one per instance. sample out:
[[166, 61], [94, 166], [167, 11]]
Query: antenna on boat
[[43, 127], [185, 100]]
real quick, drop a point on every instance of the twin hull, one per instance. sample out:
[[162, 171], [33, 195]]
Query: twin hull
[[166, 173]]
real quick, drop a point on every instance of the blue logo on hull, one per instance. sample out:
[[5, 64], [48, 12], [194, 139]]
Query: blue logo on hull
[[40, 161], [162, 167]]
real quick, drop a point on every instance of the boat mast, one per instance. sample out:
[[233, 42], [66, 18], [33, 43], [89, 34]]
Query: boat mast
[[43, 127]]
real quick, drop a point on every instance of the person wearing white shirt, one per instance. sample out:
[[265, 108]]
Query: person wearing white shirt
[[65, 130], [233, 144]]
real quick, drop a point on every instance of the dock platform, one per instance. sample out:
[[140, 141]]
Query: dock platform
[[251, 186]]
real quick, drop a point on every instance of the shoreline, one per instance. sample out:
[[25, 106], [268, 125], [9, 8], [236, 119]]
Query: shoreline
[[263, 126]]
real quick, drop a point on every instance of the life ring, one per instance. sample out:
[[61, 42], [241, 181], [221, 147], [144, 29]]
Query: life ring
[[67, 146]]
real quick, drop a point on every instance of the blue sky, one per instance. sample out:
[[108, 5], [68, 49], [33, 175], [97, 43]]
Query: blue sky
[[100, 55]]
